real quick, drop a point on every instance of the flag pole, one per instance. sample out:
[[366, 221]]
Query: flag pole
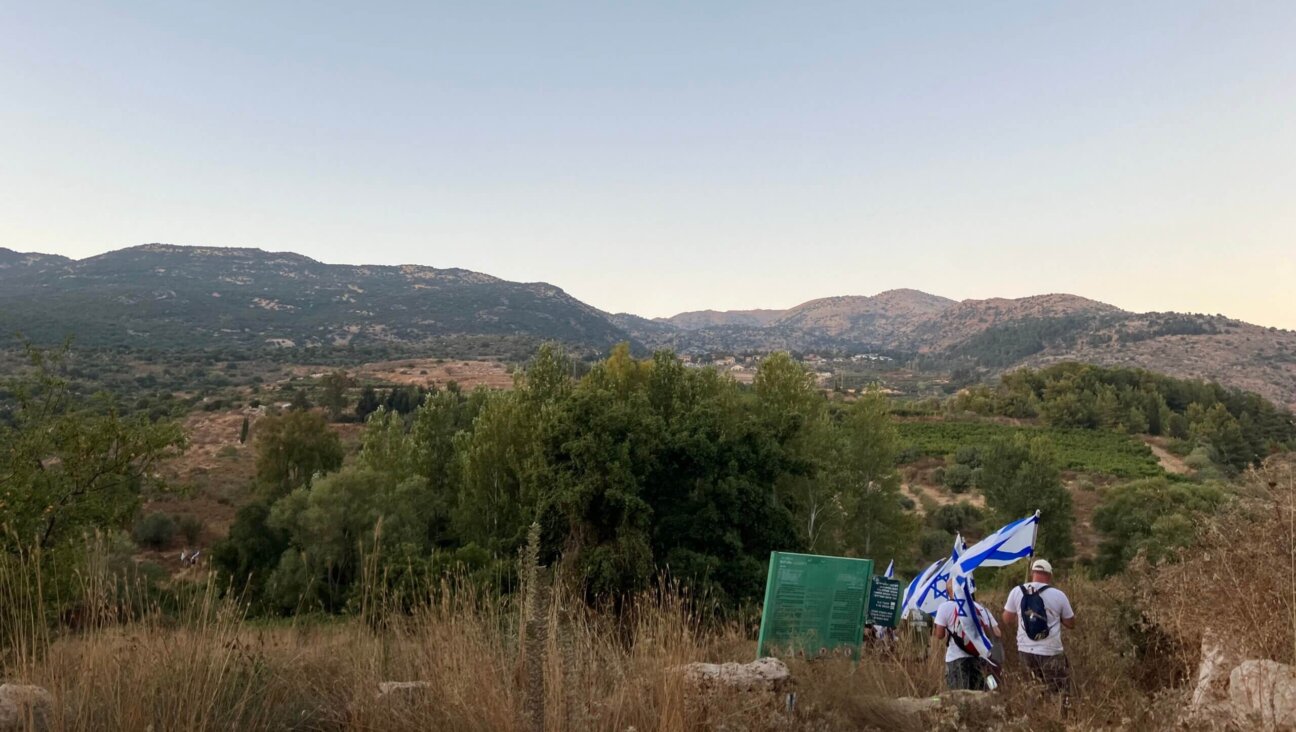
[[1030, 558]]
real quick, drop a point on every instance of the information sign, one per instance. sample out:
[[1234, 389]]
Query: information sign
[[884, 599], [814, 605]]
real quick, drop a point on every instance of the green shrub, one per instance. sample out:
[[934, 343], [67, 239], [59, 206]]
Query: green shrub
[[956, 517], [1199, 459], [958, 478], [154, 530], [935, 543], [968, 455], [191, 528]]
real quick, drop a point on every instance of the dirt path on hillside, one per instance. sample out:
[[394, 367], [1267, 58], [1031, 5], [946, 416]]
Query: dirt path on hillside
[[1170, 462]]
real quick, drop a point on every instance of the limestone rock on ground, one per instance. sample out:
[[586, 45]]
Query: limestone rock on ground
[[24, 707], [392, 687], [1264, 693], [765, 674], [957, 709]]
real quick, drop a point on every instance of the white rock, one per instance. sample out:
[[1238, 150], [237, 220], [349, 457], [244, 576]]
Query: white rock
[[1264, 692], [24, 707], [957, 709], [1213, 672], [391, 687], [766, 673]]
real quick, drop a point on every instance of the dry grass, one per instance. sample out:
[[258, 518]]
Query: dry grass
[[208, 668], [1243, 571]]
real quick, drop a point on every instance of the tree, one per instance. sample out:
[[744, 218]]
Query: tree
[[299, 401], [1220, 432], [67, 466], [1019, 476], [292, 447], [794, 414], [249, 554], [598, 450], [328, 524], [875, 524], [495, 461], [335, 385], [1153, 517], [368, 403]]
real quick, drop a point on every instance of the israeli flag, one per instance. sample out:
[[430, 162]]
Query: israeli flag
[[911, 592], [890, 570], [936, 588], [970, 622], [1005, 546]]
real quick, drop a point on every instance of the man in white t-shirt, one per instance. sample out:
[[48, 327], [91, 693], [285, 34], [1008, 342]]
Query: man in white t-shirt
[[962, 669], [1042, 655]]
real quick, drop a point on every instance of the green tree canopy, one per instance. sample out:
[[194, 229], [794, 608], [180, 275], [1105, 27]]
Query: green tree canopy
[[292, 447], [1020, 476], [67, 466], [1154, 516]]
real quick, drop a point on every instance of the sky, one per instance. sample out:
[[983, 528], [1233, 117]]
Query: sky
[[668, 156]]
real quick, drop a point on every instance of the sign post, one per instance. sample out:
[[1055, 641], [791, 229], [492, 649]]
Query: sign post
[[884, 602], [814, 605]]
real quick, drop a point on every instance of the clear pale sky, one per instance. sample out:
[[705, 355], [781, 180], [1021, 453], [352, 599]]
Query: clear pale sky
[[668, 156]]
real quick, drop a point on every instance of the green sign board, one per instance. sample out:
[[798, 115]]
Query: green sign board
[[814, 605], [884, 599]]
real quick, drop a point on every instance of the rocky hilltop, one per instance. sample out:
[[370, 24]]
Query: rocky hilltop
[[998, 334]]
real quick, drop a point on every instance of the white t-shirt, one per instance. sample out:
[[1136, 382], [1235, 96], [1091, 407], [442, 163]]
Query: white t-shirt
[[1057, 607], [947, 617]]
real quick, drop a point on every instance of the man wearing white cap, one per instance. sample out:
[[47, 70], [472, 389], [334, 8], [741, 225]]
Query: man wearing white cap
[[1040, 611]]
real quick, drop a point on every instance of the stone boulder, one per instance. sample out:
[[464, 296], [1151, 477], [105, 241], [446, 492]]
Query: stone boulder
[[1217, 661], [24, 707], [764, 674], [960, 709], [1264, 693]]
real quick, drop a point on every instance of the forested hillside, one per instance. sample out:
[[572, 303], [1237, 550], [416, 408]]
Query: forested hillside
[[160, 297]]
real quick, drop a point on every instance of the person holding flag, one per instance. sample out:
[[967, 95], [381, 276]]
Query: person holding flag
[[963, 662], [1004, 547]]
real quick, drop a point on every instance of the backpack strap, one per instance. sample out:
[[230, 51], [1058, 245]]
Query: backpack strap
[[962, 643]]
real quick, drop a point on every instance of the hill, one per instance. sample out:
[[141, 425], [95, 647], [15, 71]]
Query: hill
[[699, 319], [998, 334], [167, 297]]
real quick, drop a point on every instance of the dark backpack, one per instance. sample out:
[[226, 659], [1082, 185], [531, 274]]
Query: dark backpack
[[1033, 615]]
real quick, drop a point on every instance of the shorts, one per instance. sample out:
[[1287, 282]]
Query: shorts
[[1054, 672]]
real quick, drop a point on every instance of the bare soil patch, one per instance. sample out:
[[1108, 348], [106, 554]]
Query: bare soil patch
[[428, 372], [1170, 462]]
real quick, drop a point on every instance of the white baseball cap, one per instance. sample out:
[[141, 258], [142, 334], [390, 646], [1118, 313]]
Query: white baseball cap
[[1042, 565]]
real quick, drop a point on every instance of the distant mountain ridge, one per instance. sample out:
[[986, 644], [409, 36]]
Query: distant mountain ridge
[[169, 297]]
